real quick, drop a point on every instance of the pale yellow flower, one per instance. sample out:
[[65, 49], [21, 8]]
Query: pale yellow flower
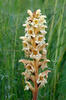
[[42, 19], [29, 86], [30, 13], [42, 29], [45, 73], [44, 51], [39, 38], [30, 32], [38, 12], [26, 74], [35, 22], [26, 87], [25, 38], [25, 45], [30, 68], [41, 80], [36, 55], [43, 32]]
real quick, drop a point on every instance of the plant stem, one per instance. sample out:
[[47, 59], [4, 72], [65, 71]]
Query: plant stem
[[35, 93], [35, 84]]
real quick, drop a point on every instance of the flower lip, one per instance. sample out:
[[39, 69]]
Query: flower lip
[[27, 86], [38, 56], [30, 31], [36, 21], [24, 38], [35, 52], [39, 37], [25, 44], [43, 31], [30, 68]]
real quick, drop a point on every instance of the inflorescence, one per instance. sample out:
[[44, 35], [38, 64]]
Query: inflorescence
[[34, 46]]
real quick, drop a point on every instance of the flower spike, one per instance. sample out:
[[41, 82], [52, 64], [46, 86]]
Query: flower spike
[[34, 46]]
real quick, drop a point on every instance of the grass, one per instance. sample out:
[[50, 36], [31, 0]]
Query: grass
[[12, 16]]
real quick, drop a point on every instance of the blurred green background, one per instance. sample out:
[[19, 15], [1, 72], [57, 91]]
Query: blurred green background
[[12, 16]]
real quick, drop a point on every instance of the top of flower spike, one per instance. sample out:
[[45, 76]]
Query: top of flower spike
[[37, 13], [35, 31], [35, 19]]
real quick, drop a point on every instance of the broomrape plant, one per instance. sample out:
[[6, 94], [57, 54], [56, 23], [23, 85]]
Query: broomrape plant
[[34, 46]]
